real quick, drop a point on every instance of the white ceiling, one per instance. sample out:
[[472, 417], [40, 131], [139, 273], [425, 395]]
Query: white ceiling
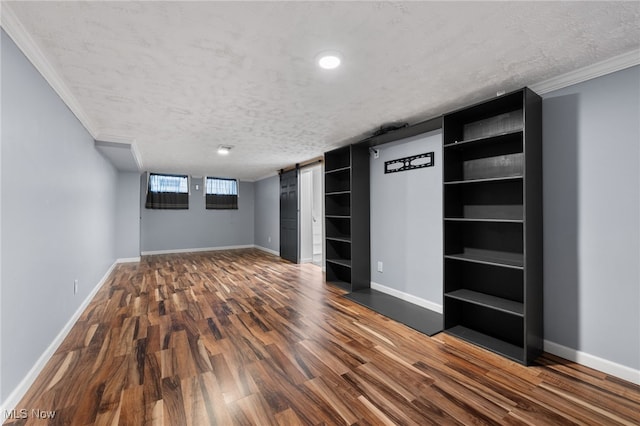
[[181, 78]]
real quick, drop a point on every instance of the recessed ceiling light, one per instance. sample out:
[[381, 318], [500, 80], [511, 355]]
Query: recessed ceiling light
[[224, 149], [329, 60]]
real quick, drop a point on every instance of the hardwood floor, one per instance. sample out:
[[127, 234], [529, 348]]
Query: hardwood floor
[[241, 337]]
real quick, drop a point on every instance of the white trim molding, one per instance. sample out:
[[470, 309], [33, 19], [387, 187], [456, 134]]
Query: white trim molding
[[103, 136], [617, 63], [136, 156], [19, 34], [268, 250], [592, 361], [193, 250], [128, 259], [407, 297], [19, 392], [112, 138]]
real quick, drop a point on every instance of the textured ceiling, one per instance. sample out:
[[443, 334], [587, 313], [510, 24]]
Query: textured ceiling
[[181, 78]]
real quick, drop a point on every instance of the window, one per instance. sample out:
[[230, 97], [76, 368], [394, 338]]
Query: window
[[222, 193], [168, 192]]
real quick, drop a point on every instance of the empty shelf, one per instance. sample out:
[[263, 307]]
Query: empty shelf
[[341, 239], [490, 257], [493, 179], [341, 262], [341, 169], [482, 219], [488, 301], [496, 345], [486, 140]]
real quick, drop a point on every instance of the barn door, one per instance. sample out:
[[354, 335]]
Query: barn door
[[289, 215]]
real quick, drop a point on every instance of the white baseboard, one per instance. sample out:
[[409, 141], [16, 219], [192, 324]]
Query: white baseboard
[[582, 358], [18, 393], [407, 297], [192, 250], [268, 250], [306, 260], [128, 259], [592, 361]]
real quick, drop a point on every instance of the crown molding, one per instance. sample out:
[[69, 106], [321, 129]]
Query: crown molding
[[616, 63], [21, 37], [136, 156], [103, 136]]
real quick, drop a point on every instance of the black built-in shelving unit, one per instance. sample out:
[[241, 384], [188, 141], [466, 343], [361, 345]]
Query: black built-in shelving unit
[[492, 170], [492, 160], [347, 217]]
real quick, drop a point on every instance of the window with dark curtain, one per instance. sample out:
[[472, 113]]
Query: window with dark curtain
[[168, 192], [222, 194]]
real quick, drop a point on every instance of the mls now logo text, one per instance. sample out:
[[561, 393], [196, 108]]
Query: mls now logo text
[[25, 414]]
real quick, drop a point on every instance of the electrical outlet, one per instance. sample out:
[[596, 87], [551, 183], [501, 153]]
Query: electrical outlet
[[379, 266], [75, 286]]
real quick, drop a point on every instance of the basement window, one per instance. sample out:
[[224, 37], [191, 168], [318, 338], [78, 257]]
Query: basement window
[[168, 192], [221, 193]]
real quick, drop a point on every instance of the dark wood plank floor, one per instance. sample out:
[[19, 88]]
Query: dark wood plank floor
[[241, 337]]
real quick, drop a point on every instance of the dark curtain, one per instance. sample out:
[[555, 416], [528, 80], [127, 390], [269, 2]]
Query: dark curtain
[[167, 200], [222, 202]]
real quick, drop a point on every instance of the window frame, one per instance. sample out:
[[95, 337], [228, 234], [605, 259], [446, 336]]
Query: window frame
[[216, 201], [168, 200]]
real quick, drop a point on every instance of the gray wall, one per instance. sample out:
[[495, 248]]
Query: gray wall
[[198, 227], [267, 213], [128, 215], [58, 216], [406, 220], [591, 201]]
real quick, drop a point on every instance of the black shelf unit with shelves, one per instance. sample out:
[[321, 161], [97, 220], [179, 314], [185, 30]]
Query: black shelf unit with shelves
[[346, 183], [492, 157]]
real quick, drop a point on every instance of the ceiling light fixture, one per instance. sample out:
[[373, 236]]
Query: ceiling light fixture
[[224, 149], [329, 60]]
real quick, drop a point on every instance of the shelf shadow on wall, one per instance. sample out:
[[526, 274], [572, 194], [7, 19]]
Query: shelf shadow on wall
[[561, 216]]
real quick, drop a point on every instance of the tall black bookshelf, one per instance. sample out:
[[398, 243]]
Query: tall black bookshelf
[[346, 183], [493, 224]]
